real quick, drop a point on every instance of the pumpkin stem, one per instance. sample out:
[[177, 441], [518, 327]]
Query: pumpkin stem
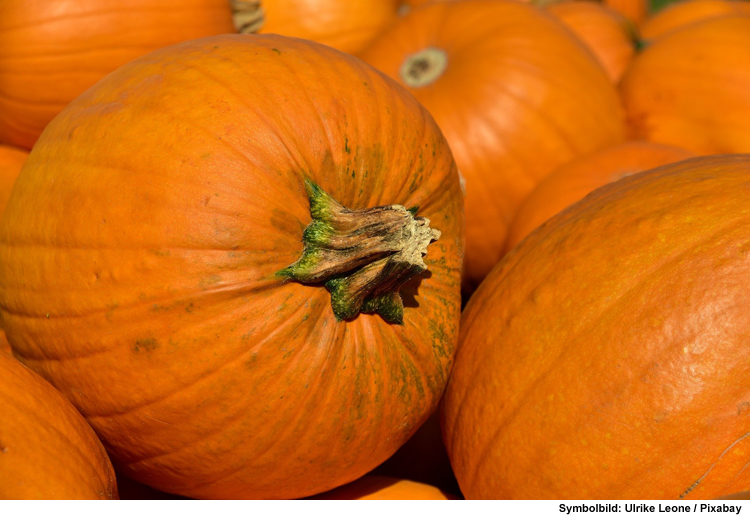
[[424, 67], [248, 15], [363, 256]]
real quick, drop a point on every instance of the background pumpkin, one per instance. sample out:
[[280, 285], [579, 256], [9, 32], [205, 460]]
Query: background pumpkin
[[384, 488], [47, 449], [576, 179], [620, 332], [607, 33], [710, 114], [634, 10], [50, 52], [207, 373], [506, 84], [347, 25], [684, 13]]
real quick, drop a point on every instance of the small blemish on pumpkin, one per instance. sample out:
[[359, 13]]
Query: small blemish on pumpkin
[[147, 344], [276, 51]]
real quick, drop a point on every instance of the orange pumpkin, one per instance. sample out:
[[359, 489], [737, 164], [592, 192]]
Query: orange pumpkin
[[743, 495], [573, 181], [190, 319], [347, 25], [4, 345], [384, 488], [607, 357], [684, 13], [11, 161], [506, 84], [711, 113], [607, 33], [634, 10], [50, 52], [47, 450]]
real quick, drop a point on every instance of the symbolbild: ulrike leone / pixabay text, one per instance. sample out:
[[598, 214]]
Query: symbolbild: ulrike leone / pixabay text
[[648, 508]]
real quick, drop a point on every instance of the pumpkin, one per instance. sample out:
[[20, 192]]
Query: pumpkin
[[634, 10], [372, 487], [347, 25], [607, 33], [711, 113], [50, 52], [4, 345], [607, 356], [743, 495], [254, 315], [505, 82], [47, 450], [681, 14], [573, 181], [11, 161]]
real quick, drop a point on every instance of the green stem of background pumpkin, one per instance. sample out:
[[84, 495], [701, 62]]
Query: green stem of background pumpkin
[[363, 257]]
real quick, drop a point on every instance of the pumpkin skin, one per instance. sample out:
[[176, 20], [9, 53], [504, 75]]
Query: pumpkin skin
[[508, 101], [634, 10], [4, 345], [11, 161], [681, 14], [384, 488], [67, 46], [573, 181], [347, 25], [205, 372], [710, 114], [48, 450], [607, 33], [609, 352]]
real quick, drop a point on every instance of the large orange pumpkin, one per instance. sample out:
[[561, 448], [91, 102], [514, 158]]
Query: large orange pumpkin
[[384, 488], [47, 450], [11, 161], [681, 14], [516, 96], [183, 317], [573, 181], [607, 33], [51, 51], [607, 357], [691, 88], [347, 25]]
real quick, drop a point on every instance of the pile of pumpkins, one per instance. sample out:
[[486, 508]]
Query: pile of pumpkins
[[344, 249]]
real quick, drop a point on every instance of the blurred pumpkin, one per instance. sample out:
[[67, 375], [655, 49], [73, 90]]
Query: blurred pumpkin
[[708, 114], [607, 33], [384, 488], [515, 94], [573, 181], [47, 450], [228, 327], [347, 25], [634, 10], [52, 51], [620, 330], [684, 13]]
